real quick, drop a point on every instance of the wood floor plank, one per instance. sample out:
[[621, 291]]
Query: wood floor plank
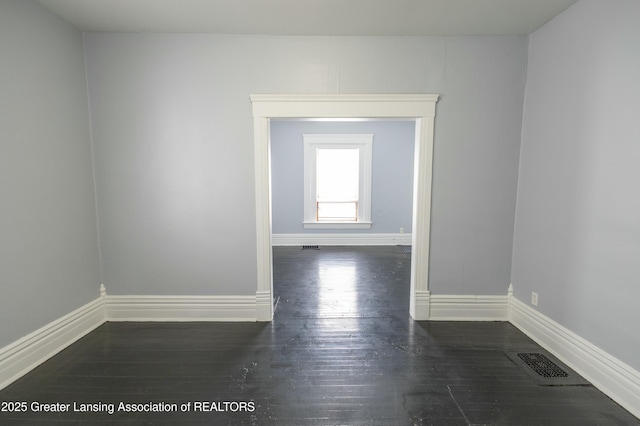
[[341, 350]]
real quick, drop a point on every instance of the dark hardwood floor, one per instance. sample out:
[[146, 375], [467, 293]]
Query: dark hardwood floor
[[341, 350]]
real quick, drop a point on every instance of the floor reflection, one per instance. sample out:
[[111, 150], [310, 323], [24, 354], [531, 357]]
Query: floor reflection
[[337, 288]]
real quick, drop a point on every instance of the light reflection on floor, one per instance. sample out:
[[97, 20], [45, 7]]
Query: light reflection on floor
[[337, 288]]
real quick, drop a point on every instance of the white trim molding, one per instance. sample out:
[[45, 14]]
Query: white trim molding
[[422, 307], [341, 239], [468, 308], [180, 308], [618, 380], [25, 354], [264, 306], [418, 107]]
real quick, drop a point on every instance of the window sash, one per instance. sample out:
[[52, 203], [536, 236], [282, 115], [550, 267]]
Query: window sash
[[327, 211], [361, 217], [338, 173]]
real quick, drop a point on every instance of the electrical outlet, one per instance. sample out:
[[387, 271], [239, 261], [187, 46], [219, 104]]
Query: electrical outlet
[[402, 230], [534, 298]]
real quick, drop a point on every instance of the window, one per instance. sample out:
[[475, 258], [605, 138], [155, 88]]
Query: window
[[337, 181]]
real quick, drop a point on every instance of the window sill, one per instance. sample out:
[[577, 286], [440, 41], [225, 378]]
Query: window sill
[[337, 225]]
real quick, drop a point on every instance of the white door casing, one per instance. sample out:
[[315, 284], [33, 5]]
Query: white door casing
[[418, 107]]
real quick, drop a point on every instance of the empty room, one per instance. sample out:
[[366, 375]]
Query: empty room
[[333, 213]]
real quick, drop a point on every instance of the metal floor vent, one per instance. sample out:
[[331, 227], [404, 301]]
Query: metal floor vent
[[542, 365], [544, 368], [310, 247], [405, 249]]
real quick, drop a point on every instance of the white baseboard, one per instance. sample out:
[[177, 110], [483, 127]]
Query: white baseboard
[[341, 239], [180, 308], [25, 354], [420, 309], [264, 306], [613, 377], [468, 308]]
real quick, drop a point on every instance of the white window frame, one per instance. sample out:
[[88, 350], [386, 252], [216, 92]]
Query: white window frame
[[313, 142]]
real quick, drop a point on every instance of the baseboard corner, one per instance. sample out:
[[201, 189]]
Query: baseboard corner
[[22, 356]]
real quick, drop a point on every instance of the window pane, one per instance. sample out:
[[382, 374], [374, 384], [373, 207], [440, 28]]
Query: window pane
[[347, 212], [337, 172]]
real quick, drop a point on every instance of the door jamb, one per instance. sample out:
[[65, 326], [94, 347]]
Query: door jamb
[[418, 107]]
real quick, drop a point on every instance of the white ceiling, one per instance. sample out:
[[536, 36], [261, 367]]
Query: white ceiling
[[311, 17]]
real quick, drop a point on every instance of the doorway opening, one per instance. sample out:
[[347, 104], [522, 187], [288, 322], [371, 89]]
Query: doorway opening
[[420, 108]]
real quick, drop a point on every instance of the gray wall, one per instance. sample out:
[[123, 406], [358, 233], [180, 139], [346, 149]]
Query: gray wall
[[392, 173], [577, 237], [174, 160], [173, 136], [48, 241]]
